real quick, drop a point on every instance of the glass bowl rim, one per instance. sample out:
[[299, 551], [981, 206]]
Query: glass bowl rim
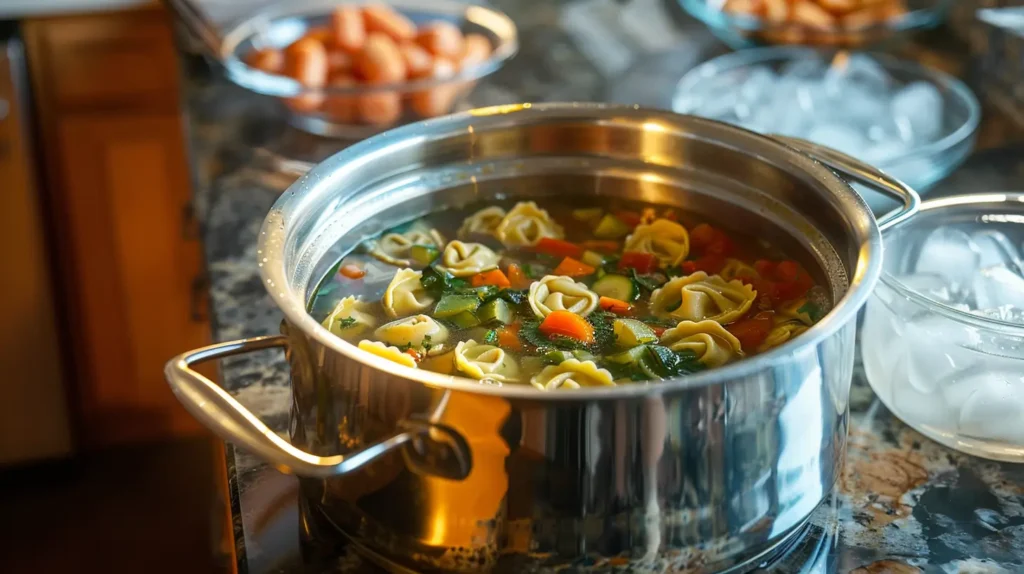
[[963, 94], [495, 22], [952, 203], [913, 19]]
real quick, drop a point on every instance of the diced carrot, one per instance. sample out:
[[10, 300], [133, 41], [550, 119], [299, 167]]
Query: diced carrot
[[616, 306], [494, 277], [601, 246], [567, 324], [414, 354], [573, 268], [753, 331], [517, 278], [630, 218], [352, 271], [508, 337], [558, 248], [642, 262]]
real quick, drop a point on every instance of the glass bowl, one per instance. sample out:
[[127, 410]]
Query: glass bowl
[[733, 88], [743, 30], [284, 23], [943, 335]]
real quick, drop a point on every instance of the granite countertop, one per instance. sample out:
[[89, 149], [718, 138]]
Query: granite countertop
[[905, 503]]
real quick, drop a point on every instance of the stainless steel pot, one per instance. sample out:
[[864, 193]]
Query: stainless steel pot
[[439, 473]]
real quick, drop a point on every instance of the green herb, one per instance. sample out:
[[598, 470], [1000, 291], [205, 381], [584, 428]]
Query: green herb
[[812, 310], [437, 282], [611, 263], [491, 337], [665, 363], [514, 296], [346, 322], [604, 330], [651, 320], [426, 343]]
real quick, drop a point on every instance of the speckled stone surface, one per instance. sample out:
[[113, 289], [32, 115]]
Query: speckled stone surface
[[905, 504]]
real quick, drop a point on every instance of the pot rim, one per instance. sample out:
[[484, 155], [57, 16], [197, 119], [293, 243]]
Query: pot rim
[[270, 249]]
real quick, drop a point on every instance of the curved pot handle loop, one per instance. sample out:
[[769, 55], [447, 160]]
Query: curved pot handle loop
[[863, 174], [221, 413]]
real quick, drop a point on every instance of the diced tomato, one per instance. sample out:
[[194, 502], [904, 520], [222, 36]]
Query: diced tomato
[[559, 248], [630, 218], [764, 268], [659, 331], [352, 271], [602, 246], [788, 278], [766, 289], [707, 240], [753, 331], [709, 264], [642, 262]]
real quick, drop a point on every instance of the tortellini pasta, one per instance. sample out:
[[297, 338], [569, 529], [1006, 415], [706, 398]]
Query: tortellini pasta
[[485, 362], [572, 374], [527, 224], [561, 293], [394, 248], [666, 240], [483, 222], [795, 310], [465, 259], [734, 269], [392, 354], [713, 345], [405, 294], [419, 332], [780, 334], [350, 317], [697, 297]]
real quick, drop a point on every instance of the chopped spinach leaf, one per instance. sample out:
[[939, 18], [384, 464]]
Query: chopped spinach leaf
[[346, 322], [514, 296], [813, 311], [491, 337], [674, 271], [653, 321], [437, 281], [611, 263], [666, 363], [649, 281], [534, 271]]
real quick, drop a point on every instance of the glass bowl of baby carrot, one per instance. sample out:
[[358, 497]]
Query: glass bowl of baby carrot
[[834, 23], [351, 69]]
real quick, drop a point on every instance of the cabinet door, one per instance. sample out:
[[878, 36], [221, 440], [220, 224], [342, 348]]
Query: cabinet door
[[135, 270]]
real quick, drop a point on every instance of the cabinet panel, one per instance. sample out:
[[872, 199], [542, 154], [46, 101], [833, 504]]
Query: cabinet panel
[[125, 192]]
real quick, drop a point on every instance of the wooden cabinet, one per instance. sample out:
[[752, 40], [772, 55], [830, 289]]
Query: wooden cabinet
[[129, 263]]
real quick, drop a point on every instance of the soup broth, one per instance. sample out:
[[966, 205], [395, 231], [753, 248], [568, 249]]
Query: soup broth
[[562, 297]]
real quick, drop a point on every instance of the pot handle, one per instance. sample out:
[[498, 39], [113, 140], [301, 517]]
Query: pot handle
[[432, 443], [863, 174]]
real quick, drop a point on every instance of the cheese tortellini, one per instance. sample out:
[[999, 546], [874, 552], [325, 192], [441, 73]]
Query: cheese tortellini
[[561, 293], [419, 332], [666, 240], [395, 248], [405, 294], [526, 225], [572, 374], [797, 311], [483, 222], [734, 269], [350, 317], [713, 345], [392, 354], [697, 297], [780, 334], [485, 362], [465, 259]]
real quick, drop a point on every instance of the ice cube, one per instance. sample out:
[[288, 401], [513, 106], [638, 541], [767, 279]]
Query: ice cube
[[949, 252], [921, 105], [917, 404], [998, 286], [996, 248], [840, 137], [811, 67], [934, 286], [849, 70], [939, 350], [880, 153], [1007, 313], [758, 85], [994, 409]]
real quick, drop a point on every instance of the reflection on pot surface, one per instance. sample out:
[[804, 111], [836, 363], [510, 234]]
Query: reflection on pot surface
[[439, 472]]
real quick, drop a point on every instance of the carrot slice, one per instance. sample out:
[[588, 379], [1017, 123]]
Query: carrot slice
[[559, 248], [493, 277], [616, 306], [508, 338], [517, 278], [352, 271], [572, 268], [568, 324]]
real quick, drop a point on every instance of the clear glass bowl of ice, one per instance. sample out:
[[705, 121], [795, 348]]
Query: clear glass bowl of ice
[[915, 123], [943, 334]]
